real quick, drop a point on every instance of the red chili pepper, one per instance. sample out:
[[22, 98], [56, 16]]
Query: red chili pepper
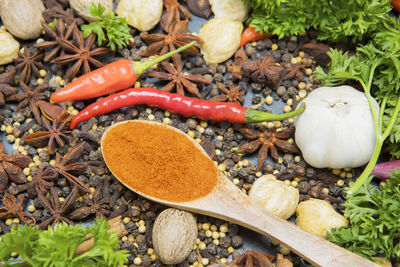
[[176, 103], [111, 78], [396, 5], [251, 35]]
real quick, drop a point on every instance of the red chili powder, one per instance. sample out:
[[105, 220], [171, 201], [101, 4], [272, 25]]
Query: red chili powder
[[158, 162]]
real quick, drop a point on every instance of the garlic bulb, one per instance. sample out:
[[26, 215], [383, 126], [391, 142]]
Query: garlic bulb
[[221, 39], [336, 130], [141, 14], [230, 9], [9, 47], [22, 18], [317, 216], [275, 196]]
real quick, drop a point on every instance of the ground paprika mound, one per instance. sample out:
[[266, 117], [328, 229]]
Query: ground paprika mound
[[157, 161]]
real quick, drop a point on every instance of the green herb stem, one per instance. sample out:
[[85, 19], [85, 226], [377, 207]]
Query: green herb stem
[[380, 138]]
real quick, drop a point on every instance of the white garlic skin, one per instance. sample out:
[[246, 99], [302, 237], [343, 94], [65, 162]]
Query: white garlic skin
[[317, 216], [275, 196], [230, 9], [174, 235], [22, 17], [143, 15], [336, 130]]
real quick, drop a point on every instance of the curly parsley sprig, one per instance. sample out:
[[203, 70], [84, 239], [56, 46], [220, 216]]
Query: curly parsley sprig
[[335, 20], [373, 215], [377, 69], [56, 246], [110, 28]]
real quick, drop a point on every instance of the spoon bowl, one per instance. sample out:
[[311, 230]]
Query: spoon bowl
[[227, 202]]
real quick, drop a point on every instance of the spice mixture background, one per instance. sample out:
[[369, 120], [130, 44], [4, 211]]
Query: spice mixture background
[[50, 174]]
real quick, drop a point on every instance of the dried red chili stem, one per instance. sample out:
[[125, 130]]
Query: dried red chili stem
[[111, 78], [183, 105]]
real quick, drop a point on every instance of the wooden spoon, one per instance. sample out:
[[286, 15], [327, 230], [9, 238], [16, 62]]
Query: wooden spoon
[[227, 202]]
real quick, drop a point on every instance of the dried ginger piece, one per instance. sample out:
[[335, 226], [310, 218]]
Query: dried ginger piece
[[9, 47]]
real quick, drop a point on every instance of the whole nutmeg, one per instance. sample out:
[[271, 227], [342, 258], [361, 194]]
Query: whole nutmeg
[[174, 235], [22, 17], [81, 7]]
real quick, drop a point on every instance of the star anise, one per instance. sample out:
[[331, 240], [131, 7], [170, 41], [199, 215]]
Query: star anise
[[28, 63], [57, 208], [178, 80], [53, 112], [42, 181], [52, 48], [231, 94], [14, 207], [174, 13], [263, 71], [56, 10], [252, 258], [11, 166], [55, 134], [29, 98], [268, 142], [99, 205], [239, 60], [176, 37], [5, 88], [68, 165], [83, 54], [294, 71]]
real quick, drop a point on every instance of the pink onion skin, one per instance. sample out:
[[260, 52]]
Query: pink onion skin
[[384, 169]]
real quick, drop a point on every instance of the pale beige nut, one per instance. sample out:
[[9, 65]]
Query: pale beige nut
[[318, 217], [9, 47], [275, 196], [81, 7], [174, 235], [221, 39], [230, 9], [22, 17], [144, 15]]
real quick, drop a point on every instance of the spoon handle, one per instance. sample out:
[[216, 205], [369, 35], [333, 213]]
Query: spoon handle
[[236, 207]]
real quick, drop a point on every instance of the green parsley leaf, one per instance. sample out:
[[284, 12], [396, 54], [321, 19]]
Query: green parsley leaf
[[373, 215], [110, 28], [56, 246]]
